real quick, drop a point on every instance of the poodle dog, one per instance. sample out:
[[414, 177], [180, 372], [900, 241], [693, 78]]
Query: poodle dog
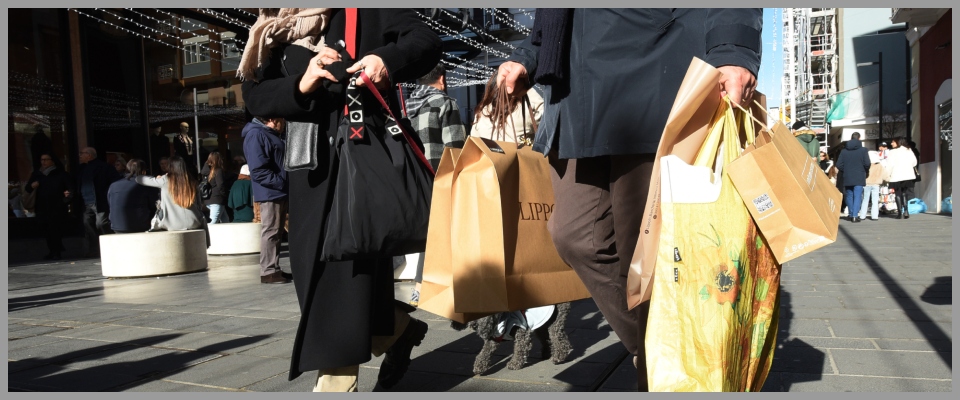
[[553, 339]]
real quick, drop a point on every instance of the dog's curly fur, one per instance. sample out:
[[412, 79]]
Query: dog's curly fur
[[555, 344]]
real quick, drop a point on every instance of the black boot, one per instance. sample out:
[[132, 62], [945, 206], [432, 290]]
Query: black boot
[[397, 358]]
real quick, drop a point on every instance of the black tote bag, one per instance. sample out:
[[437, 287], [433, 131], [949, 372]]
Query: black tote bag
[[381, 198]]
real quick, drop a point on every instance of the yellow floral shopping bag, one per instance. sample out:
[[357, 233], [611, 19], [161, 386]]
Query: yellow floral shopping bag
[[713, 309]]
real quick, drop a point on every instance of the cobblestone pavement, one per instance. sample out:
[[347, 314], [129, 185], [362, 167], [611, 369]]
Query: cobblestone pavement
[[872, 312]]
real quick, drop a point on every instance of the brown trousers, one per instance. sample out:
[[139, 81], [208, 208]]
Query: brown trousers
[[595, 226]]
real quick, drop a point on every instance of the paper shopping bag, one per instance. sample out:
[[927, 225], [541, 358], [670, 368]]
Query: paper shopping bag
[[436, 289], [795, 205], [713, 311]]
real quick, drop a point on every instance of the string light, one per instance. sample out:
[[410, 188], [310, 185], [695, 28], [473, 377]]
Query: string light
[[479, 67], [246, 12], [220, 34], [508, 45], [197, 26], [225, 17], [140, 35], [508, 19], [460, 37]]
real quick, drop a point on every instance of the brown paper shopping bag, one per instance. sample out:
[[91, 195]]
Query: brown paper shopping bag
[[794, 203], [502, 257], [683, 135], [436, 290]]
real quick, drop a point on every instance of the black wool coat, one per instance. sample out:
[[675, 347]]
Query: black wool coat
[[103, 176], [51, 203], [625, 69], [342, 304]]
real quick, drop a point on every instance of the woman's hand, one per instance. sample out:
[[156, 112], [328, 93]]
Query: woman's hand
[[35, 184], [375, 70], [315, 73]]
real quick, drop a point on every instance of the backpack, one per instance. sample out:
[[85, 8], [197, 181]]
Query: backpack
[[205, 189]]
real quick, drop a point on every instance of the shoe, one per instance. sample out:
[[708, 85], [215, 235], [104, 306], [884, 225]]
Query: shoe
[[397, 359], [414, 298], [906, 215], [286, 275], [855, 219], [899, 216], [276, 277]]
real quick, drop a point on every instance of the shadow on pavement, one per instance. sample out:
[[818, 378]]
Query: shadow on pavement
[[793, 355], [21, 303], [940, 293], [55, 373], [932, 332]]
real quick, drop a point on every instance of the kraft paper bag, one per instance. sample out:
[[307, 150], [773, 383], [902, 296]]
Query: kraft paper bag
[[501, 255], [436, 289], [713, 311], [793, 202], [683, 135]]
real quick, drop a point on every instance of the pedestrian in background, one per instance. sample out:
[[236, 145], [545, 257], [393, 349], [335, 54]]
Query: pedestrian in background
[[214, 174], [825, 162], [508, 117], [871, 190], [132, 205], [902, 178], [179, 198], [265, 151], [854, 164], [240, 199], [53, 188], [94, 179], [120, 165]]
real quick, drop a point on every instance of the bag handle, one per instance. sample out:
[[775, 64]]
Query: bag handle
[[406, 135]]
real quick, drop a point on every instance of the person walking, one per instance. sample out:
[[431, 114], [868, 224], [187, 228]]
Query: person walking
[[214, 174], [507, 117], [94, 179], [871, 190], [53, 188], [348, 310], [265, 151], [179, 199], [132, 204], [610, 77], [854, 164], [825, 162], [435, 115], [240, 199], [902, 178]]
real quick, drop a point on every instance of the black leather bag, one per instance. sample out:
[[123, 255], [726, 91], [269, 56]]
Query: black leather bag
[[383, 186], [204, 188]]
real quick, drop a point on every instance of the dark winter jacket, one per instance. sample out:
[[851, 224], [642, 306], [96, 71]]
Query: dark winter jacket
[[50, 201], [131, 205], [854, 163], [810, 143], [240, 201], [352, 297], [98, 175], [626, 66], [436, 118], [264, 151], [218, 185]]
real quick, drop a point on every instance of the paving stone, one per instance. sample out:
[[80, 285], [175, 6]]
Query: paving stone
[[54, 378], [623, 379], [212, 342], [840, 383], [20, 365], [798, 356], [303, 383], [231, 371], [119, 334], [16, 344], [282, 348], [245, 326], [168, 320], [945, 346], [802, 327], [907, 364], [889, 329], [138, 361], [25, 331], [59, 351], [830, 343], [579, 373], [495, 385], [167, 387]]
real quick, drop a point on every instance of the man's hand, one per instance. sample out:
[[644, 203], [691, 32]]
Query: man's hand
[[35, 184], [373, 66], [510, 74], [315, 73], [66, 193], [738, 83]]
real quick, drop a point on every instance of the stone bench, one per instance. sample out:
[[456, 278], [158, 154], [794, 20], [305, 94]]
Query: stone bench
[[234, 238], [153, 253]]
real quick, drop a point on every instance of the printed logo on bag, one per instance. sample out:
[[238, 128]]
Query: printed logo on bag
[[676, 274], [676, 255], [763, 203], [356, 116], [492, 145], [535, 211], [832, 204], [394, 130]]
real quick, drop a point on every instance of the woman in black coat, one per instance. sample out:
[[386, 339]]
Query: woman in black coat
[[344, 305], [53, 186]]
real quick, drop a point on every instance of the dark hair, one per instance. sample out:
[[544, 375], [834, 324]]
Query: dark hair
[[215, 163], [180, 183], [797, 125], [855, 136], [899, 140], [434, 75], [136, 167], [501, 105]]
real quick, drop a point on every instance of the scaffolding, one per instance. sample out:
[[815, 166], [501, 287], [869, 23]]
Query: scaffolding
[[810, 66]]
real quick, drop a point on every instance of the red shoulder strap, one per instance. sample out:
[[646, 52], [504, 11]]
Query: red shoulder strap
[[350, 36]]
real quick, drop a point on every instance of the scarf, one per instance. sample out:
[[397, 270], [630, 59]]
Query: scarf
[[551, 31], [46, 171], [299, 26]]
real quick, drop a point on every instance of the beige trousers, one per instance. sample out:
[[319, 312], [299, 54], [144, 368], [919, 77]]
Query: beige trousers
[[344, 379]]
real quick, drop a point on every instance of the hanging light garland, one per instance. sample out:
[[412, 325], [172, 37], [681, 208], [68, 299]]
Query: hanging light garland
[[459, 36], [177, 28], [508, 19], [482, 32], [225, 17]]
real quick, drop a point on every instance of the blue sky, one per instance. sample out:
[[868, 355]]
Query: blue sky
[[771, 63]]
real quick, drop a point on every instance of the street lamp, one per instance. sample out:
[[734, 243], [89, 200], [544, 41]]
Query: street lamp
[[879, 64]]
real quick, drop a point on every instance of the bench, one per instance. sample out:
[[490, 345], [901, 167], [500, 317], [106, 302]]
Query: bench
[[130, 255], [234, 238]]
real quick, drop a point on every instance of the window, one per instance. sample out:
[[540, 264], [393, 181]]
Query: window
[[196, 50]]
